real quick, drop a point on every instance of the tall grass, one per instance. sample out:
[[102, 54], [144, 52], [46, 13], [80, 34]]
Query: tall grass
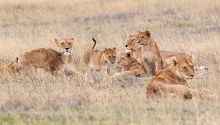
[[39, 98]]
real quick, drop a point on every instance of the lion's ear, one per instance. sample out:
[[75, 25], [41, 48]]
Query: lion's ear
[[16, 59], [148, 33], [114, 49], [130, 36], [174, 61], [56, 41], [191, 58], [105, 50]]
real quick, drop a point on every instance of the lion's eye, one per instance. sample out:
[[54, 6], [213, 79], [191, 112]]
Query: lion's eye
[[122, 58], [184, 67], [61, 43], [142, 37], [69, 43]]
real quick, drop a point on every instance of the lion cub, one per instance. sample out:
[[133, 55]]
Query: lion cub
[[100, 60], [130, 66], [172, 80], [49, 59]]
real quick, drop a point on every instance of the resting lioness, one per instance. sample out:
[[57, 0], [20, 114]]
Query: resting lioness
[[49, 59], [10, 67], [100, 60], [172, 80], [130, 67]]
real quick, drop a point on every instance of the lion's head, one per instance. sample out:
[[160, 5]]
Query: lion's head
[[132, 43], [143, 38], [65, 45], [184, 68], [109, 55], [125, 59]]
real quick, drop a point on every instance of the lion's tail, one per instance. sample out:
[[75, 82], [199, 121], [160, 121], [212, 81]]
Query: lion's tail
[[94, 43]]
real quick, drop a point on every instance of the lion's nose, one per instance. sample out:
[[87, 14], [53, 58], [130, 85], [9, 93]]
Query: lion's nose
[[192, 75], [67, 48], [126, 46]]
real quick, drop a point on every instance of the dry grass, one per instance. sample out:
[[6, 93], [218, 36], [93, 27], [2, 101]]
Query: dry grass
[[38, 98]]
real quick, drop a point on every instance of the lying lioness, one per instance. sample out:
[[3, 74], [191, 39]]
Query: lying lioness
[[53, 61], [173, 80]]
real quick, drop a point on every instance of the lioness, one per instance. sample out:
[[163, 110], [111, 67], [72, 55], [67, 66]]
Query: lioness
[[130, 67], [135, 49], [10, 67], [150, 52], [172, 80], [100, 60], [49, 59]]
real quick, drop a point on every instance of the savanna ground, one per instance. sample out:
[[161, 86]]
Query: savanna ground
[[39, 98]]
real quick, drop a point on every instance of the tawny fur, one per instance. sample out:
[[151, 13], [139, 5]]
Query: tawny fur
[[150, 52], [136, 51], [173, 80], [130, 67], [10, 67], [96, 59], [57, 62]]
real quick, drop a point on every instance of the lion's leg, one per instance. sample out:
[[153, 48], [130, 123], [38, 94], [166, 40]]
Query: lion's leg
[[76, 75], [124, 74], [158, 66], [58, 73], [146, 66], [105, 72], [179, 90]]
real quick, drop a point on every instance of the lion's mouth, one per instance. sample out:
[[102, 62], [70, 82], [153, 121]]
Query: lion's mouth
[[66, 51], [189, 78]]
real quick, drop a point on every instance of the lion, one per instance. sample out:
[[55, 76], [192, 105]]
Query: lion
[[135, 49], [57, 63], [12, 67], [173, 80], [150, 52], [130, 67], [100, 60]]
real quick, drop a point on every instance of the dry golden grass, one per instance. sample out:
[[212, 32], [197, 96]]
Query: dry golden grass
[[39, 98]]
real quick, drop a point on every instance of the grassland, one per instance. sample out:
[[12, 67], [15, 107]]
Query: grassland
[[39, 98]]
